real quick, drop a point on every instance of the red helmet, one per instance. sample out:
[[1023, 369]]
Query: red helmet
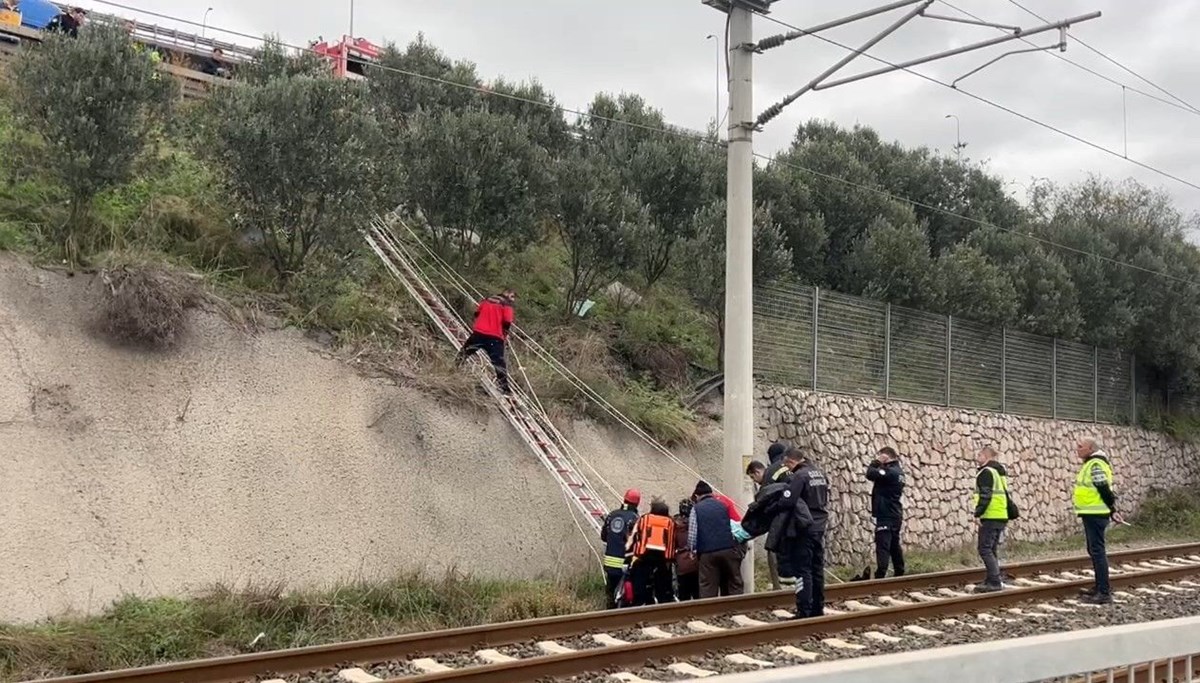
[[633, 497]]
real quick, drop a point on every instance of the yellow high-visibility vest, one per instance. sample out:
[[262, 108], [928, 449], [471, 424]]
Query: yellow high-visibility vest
[[997, 508], [1087, 496]]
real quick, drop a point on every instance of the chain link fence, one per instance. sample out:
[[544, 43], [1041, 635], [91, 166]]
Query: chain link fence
[[816, 339]]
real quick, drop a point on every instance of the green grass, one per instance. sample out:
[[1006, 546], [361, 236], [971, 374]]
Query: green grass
[[138, 631]]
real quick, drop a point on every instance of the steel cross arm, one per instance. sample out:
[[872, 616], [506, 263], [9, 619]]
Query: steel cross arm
[[775, 109], [1060, 45], [961, 50], [777, 40]]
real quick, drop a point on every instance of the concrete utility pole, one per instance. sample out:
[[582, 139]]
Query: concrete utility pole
[[739, 237]]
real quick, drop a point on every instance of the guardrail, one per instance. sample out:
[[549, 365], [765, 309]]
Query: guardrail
[[193, 84], [1156, 651]]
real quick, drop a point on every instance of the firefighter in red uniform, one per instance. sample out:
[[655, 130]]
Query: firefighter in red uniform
[[652, 546], [493, 317]]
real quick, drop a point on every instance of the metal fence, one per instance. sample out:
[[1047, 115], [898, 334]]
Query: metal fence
[[826, 341]]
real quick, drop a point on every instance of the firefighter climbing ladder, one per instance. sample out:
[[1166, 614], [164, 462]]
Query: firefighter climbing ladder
[[531, 423]]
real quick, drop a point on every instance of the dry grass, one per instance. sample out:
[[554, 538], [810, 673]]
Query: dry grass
[[146, 305]]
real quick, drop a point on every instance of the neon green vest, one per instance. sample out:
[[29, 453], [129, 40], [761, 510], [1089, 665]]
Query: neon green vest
[[998, 506], [1087, 496]]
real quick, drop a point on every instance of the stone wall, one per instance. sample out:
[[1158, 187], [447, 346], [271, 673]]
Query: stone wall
[[937, 446]]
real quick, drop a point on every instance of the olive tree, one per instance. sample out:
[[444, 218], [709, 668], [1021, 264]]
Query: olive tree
[[96, 102], [300, 161]]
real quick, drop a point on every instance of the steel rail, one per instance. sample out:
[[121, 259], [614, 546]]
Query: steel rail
[[299, 660], [637, 654]]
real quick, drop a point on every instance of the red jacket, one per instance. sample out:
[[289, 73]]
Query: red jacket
[[493, 317], [729, 505]]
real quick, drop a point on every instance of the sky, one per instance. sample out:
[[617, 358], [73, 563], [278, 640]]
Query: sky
[[660, 49]]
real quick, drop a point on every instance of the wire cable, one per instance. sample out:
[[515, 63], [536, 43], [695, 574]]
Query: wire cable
[[1182, 107], [1119, 65], [979, 98]]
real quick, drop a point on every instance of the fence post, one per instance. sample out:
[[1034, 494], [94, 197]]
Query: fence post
[[1095, 384], [816, 313], [887, 351], [1054, 377], [1132, 389], [1004, 369], [949, 340]]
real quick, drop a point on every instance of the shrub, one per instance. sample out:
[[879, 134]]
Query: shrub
[[147, 305]]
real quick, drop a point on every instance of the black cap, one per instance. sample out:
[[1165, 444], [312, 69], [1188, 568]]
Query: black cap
[[775, 451]]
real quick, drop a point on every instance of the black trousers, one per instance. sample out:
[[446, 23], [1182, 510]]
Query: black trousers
[[689, 586], [990, 533], [651, 576], [1094, 527], [808, 564], [887, 547], [494, 348], [612, 579]]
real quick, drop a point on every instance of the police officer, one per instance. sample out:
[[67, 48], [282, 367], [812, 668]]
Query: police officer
[[1095, 503], [807, 502], [614, 534], [991, 512], [887, 509]]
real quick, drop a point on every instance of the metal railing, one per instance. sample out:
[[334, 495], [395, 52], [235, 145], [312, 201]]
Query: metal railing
[[826, 341], [1155, 651]]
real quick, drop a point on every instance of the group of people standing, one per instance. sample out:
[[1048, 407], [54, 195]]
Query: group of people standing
[[697, 553]]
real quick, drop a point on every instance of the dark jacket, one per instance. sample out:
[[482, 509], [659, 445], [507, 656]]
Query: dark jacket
[[776, 473], [616, 529], [808, 497], [767, 516], [983, 485], [685, 559], [64, 23], [708, 527], [887, 490]]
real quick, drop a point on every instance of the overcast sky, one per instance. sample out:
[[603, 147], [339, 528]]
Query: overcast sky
[[658, 48]]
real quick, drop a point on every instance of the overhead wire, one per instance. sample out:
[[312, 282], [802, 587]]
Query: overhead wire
[[1116, 63], [1083, 67], [996, 105]]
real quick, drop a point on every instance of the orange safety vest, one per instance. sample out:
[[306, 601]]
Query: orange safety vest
[[654, 532]]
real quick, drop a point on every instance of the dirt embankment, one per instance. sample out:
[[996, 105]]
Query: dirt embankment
[[250, 458]]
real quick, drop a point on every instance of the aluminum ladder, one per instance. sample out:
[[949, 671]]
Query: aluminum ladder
[[530, 421]]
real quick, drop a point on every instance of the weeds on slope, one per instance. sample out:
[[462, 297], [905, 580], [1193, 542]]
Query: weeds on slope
[[225, 621]]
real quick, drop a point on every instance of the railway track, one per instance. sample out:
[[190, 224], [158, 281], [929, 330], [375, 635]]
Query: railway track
[[601, 641]]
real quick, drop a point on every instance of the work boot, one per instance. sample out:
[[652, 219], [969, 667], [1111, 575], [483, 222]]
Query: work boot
[[988, 588], [1087, 591], [1097, 599]]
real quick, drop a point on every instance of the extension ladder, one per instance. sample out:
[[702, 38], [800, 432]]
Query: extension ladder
[[529, 421]]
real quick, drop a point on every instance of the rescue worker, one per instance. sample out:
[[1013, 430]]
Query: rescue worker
[[806, 500], [652, 550], [760, 519], [710, 536], [887, 509], [687, 570], [991, 514], [776, 471], [614, 534], [1095, 503], [493, 318]]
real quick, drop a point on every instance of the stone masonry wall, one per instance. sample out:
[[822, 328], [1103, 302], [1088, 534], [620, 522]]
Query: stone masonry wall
[[937, 446]]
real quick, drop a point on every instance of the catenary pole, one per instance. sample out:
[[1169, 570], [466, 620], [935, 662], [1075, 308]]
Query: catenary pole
[[739, 335]]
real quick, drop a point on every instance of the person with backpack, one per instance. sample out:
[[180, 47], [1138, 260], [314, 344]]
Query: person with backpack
[[992, 513], [614, 534], [687, 569], [651, 548]]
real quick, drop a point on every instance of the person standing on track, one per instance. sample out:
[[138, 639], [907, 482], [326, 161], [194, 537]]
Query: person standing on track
[[493, 318], [687, 570], [710, 537], [807, 502], [991, 513], [652, 546], [614, 534], [1095, 503], [887, 509]]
